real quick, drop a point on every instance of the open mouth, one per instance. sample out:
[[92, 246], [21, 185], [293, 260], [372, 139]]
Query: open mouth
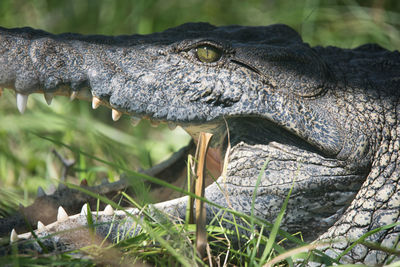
[[318, 175], [214, 156], [251, 130]]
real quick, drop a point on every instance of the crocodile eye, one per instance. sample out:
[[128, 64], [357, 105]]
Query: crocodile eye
[[208, 53]]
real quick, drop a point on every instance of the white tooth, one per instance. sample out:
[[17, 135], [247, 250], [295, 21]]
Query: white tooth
[[95, 102], [61, 215], [40, 226], [13, 236], [116, 114], [108, 210], [135, 120], [171, 126], [154, 123], [73, 95], [84, 209], [40, 192], [48, 97], [21, 102]]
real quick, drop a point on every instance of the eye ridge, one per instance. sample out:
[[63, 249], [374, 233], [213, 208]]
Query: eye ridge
[[208, 53]]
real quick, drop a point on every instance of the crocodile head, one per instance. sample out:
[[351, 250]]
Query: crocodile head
[[276, 95], [197, 75]]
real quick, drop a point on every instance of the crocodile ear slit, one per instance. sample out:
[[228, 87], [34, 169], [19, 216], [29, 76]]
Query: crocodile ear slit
[[61, 215], [22, 100]]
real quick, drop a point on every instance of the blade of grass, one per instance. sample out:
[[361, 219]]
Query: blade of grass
[[201, 234], [192, 173], [275, 227], [364, 236], [89, 219], [260, 174], [189, 207], [166, 184], [394, 264], [252, 222]]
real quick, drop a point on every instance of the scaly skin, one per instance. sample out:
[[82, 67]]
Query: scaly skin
[[326, 117]]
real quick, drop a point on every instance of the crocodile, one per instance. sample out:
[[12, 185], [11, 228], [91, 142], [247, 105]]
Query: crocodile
[[320, 121]]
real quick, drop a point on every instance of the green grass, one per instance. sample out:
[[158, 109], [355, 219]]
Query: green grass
[[164, 241], [26, 160]]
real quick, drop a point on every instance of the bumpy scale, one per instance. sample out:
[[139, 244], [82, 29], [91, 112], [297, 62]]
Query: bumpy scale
[[324, 117]]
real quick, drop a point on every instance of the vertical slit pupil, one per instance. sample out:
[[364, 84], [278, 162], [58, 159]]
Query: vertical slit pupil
[[208, 53]]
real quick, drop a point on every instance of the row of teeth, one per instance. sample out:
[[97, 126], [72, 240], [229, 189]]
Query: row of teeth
[[61, 217], [22, 100]]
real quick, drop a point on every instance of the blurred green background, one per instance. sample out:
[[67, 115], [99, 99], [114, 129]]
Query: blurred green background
[[26, 160]]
